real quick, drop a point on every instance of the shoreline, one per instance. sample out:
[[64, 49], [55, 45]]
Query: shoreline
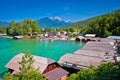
[[10, 37]]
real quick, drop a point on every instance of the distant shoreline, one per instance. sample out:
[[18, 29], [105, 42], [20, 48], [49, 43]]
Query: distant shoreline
[[7, 37], [11, 37]]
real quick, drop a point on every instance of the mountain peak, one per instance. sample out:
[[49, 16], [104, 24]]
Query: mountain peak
[[53, 21], [55, 18]]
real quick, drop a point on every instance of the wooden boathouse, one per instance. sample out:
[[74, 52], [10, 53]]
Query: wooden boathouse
[[93, 53], [18, 37], [50, 69], [87, 37]]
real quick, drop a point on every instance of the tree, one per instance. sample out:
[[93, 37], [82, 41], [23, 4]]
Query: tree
[[26, 63], [11, 28], [27, 71], [21, 28], [116, 31], [8, 76], [72, 29], [73, 76], [102, 26], [35, 27], [3, 29], [106, 71]]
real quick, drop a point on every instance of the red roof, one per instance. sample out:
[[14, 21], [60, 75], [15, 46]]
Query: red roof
[[55, 74]]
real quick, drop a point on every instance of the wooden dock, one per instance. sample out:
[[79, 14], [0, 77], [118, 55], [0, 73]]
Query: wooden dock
[[93, 53]]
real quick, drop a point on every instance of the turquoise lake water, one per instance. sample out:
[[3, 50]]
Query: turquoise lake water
[[51, 49]]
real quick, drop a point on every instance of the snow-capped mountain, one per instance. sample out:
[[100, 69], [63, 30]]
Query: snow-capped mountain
[[55, 18], [48, 22]]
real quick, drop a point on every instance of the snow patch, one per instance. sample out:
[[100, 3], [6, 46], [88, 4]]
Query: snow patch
[[55, 18]]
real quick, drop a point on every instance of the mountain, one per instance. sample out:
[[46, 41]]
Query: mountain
[[2, 23], [53, 22]]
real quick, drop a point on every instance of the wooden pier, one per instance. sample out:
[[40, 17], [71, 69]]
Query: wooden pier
[[93, 53]]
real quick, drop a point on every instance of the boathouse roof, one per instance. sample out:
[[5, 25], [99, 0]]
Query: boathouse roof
[[81, 60], [93, 53], [40, 62], [90, 35], [114, 37], [100, 46], [80, 37], [55, 74], [18, 37]]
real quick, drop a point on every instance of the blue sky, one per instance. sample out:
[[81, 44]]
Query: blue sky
[[74, 10]]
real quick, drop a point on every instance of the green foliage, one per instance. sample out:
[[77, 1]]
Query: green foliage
[[8, 76], [26, 37], [116, 31], [33, 37], [106, 71], [26, 63], [21, 28], [73, 29], [27, 72], [73, 77], [73, 35], [3, 29], [106, 25], [50, 30]]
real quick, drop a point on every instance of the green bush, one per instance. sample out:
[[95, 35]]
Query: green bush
[[33, 37], [106, 71]]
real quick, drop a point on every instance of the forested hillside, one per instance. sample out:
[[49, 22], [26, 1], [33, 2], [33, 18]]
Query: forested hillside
[[103, 26], [84, 22]]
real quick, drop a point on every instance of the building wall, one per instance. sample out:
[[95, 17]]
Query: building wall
[[64, 77], [51, 67]]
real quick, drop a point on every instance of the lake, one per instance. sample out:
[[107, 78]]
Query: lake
[[51, 49]]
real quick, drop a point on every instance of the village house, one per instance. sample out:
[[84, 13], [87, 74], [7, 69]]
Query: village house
[[49, 35], [80, 38], [29, 33], [32, 33], [64, 35], [88, 37], [48, 67], [35, 33]]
